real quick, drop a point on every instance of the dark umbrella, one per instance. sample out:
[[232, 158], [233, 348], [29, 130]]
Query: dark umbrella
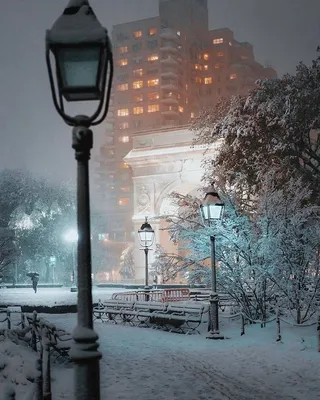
[[32, 274]]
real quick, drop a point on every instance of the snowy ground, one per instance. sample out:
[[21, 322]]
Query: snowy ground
[[147, 364], [51, 296]]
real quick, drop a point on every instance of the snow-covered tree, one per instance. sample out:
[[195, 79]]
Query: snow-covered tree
[[166, 266], [8, 252], [290, 242], [264, 257], [127, 262], [277, 125]]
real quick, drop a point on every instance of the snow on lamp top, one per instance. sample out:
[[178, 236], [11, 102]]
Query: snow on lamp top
[[78, 24], [212, 206]]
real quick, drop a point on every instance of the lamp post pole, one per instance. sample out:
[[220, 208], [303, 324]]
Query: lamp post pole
[[147, 289], [146, 237], [211, 211], [213, 326], [85, 352], [80, 67]]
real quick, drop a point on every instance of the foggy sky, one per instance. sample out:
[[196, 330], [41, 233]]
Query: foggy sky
[[34, 137]]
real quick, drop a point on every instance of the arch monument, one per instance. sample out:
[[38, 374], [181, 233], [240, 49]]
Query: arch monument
[[162, 162]]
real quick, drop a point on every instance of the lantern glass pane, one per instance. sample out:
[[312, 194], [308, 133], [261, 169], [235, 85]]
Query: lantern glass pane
[[79, 67], [146, 238], [215, 211]]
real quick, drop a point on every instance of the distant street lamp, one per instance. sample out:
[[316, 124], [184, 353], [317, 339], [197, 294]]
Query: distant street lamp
[[80, 67], [212, 209], [146, 237], [72, 237]]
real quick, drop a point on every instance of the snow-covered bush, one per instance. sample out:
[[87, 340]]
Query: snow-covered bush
[[17, 362]]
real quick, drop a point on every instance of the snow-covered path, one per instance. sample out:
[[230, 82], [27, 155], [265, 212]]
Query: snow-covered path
[[146, 364]]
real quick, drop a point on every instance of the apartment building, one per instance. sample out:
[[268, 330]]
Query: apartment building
[[166, 69]]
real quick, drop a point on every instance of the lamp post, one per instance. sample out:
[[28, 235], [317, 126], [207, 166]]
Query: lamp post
[[146, 237], [212, 209], [80, 67], [72, 237]]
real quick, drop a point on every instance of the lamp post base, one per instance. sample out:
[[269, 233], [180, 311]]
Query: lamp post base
[[215, 336]]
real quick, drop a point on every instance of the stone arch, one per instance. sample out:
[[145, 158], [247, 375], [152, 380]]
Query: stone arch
[[162, 162]]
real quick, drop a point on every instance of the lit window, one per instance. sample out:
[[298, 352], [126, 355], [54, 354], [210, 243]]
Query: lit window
[[138, 110], [187, 100], [153, 108], [123, 62], [138, 97], [153, 96], [186, 87], [192, 115], [152, 31], [208, 80], [198, 67], [198, 79], [220, 54], [217, 66], [123, 112], [180, 109], [124, 201], [138, 72], [137, 34], [123, 49], [206, 67], [124, 125], [137, 85], [124, 165], [122, 87], [153, 57], [218, 41], [230, 43], [111, 187], [125, 189], [233, 76], [206, 56], [124, 139], [153, 82]]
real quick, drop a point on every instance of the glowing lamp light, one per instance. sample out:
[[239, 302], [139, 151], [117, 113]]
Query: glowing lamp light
[[212, 207], [71, 236], [146, 234]]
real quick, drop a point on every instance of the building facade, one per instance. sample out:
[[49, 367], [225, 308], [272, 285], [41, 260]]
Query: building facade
[[166, 69]]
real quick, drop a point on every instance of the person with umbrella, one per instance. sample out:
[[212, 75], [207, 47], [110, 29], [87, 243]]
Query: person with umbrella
[[35, 279]]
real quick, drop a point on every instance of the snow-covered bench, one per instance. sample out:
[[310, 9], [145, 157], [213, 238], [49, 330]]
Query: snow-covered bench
[[59, 340], [186, 317], [111, 309]]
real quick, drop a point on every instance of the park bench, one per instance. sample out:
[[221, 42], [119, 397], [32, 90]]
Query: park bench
[[185, 318], [111, 309], [59, 340], [146, 312], [172, 295]]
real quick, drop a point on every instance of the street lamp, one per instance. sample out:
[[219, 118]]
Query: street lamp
[[72, 237], [80, 67], [146, 237], [211, 210]]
